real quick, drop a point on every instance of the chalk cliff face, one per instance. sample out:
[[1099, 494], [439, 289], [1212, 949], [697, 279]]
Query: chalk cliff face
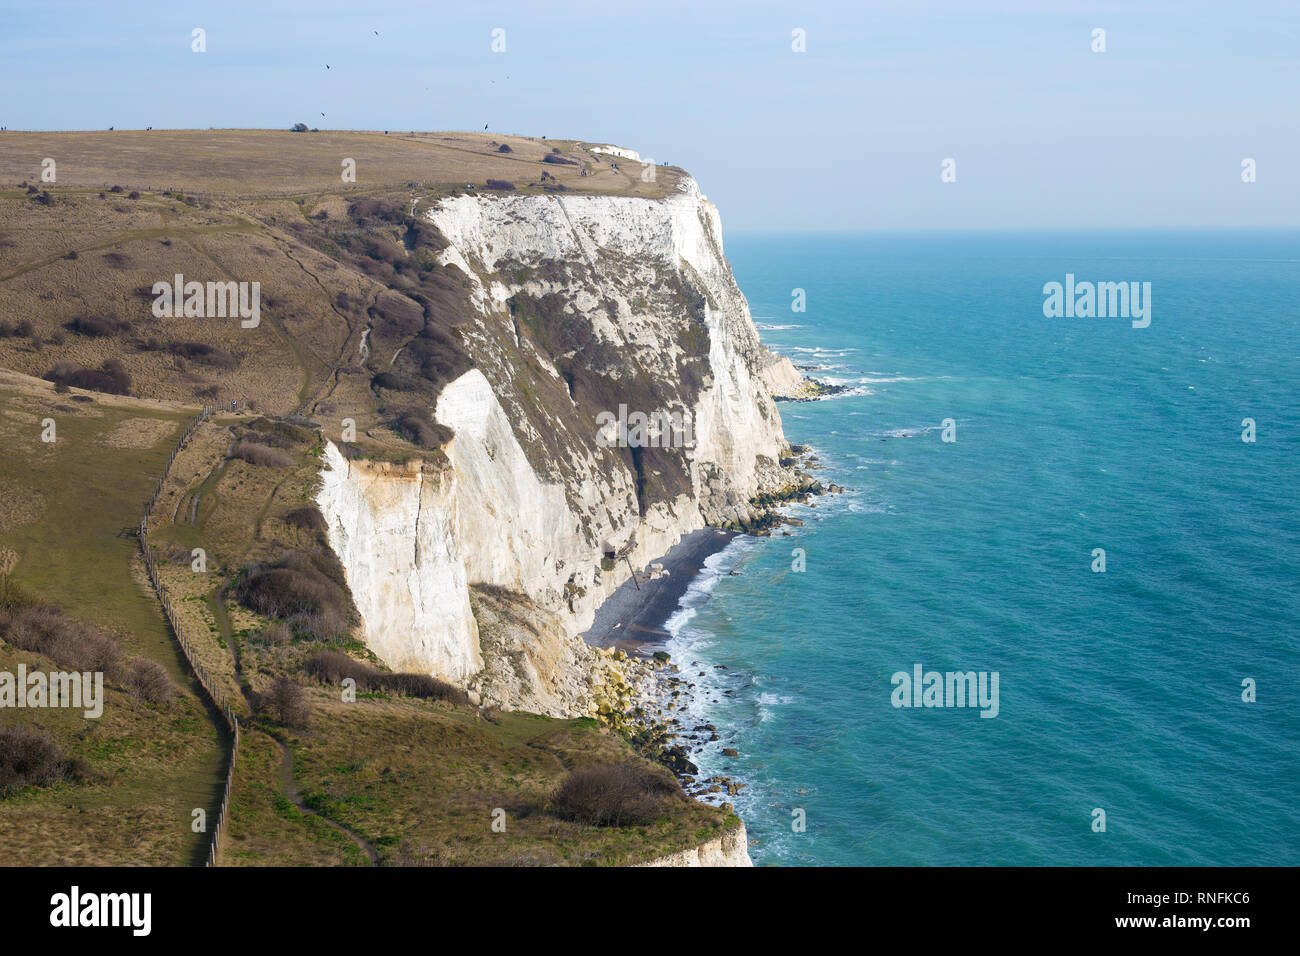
[[394, 530], [730, 849], [577, 305]]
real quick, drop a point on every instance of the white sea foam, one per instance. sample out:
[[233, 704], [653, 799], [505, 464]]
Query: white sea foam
[[910, 432], [697, 592]]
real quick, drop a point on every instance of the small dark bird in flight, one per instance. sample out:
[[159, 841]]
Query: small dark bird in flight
[[327, 66], [485, 125]]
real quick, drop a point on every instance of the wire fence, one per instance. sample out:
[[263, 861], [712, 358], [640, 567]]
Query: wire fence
[[212, 687]]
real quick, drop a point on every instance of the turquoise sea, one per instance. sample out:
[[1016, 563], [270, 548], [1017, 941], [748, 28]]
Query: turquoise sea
[[1120, 691]]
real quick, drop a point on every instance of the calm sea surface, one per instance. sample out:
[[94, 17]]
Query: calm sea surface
[[1120, 691]]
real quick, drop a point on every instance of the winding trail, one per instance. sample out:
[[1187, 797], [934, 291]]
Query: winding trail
[[291, 791]]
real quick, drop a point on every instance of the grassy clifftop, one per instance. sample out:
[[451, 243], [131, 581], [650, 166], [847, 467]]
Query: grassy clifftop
[[250, 164], [357, 319]]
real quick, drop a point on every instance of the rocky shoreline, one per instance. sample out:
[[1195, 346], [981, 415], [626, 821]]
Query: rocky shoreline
[[653, 693], [812, 390]]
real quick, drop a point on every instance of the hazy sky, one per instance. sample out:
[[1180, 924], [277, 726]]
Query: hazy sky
[[848, 135]]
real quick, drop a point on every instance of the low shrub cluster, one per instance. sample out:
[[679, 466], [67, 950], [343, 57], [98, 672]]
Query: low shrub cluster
[[397, 382], [45, 629], [615, 795], [285, 702], [417, 426], [30, 625], [97, 326], [204, 354], [256, 453], [29, 757], [111, 377], [306, 518], [396, 316], [302, 589], [148, 681], [331, 667]]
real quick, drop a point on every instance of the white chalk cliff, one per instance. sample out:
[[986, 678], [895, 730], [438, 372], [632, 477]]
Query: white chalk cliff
[[576, 304]]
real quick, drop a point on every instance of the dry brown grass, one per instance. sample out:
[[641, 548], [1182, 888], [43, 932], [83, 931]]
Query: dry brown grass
[[138, 433], [248, 163]]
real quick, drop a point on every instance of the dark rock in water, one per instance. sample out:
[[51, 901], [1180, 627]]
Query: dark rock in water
[[709, 727], [675, 759], [729, 752]]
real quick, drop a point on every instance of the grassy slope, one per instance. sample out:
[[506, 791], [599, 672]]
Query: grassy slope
[[73, 500]]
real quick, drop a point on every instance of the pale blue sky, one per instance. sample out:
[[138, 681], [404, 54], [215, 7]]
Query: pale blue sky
[[849, 135]]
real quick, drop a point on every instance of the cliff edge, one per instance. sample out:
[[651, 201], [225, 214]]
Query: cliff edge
[[618, 397]]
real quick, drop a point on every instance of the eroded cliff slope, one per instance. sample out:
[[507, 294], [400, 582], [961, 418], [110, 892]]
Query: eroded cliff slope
[[574, 306]]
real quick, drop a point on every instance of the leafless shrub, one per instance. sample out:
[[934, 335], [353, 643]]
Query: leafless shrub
[[148, 680], [620, 794], [97, 326], [286, 703], [204, 354], [71, 644], [111, 377], [331, 667], [263, 455], [417, 426], [298, 590], [29, 757], [308, 518]]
